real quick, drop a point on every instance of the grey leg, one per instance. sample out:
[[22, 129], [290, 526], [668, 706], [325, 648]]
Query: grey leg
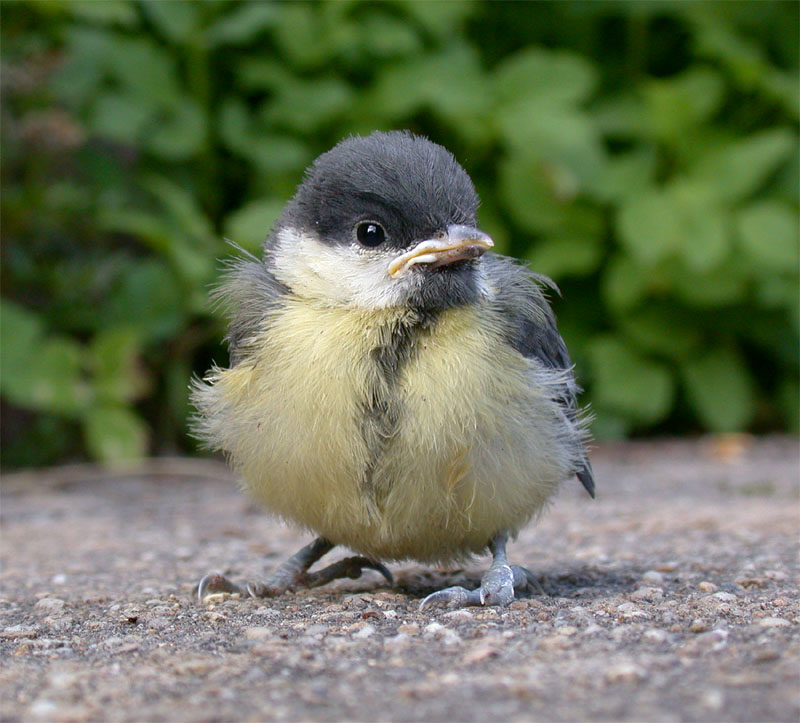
[[497, 585], [294, 573]]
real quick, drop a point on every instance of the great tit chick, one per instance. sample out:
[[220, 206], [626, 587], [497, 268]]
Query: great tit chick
[[394, 387]]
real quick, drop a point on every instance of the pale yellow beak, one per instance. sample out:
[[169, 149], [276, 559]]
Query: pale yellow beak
[[459, 244]]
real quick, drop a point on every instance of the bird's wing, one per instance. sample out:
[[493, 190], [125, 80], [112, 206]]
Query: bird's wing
[[247, 292], [532, 331]]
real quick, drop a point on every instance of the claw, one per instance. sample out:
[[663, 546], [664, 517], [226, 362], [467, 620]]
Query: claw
[[216, 582], [454, 597], [378, 567]]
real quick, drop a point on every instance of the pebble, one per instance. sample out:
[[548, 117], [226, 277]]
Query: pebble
[[49, 605], [698, 626], [365, 632], [459, 615], [483, 652], [258, 632], [774, 622], [655, 635], [648, 594], [397, 642], [19, 631], [625, 673], [408, 629], [653, 577], [707, 587], [725, 596]]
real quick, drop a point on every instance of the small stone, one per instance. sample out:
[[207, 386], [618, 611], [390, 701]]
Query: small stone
[[408, 629], [655, 635], [258, 633], [698, 626], [158, 623], [483, 652], [625, 673], [774, 623], [397, 642], [592, 629], [648, 594], [460, 615], [19, 631], [432, 629], [653, 577], [777, 575], [725, 596], [707, 587], [365, 632], [49, 605], [567, 630], [59, 579]]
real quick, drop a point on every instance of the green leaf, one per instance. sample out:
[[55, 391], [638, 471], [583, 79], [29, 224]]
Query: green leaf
[[147, 297], [663, 331], [624, 283], [676, 104], [629, 384], [737, 169], [768, 232], [20, 332], [720, 389], [120, 117], [250, 225], [108, 12], [51, 380], [177, 21], [180, 132], [544, 76], [557, 136], [114, 360], [244, 24], [115, 434], [306, 107], [529, 196], [681, 220], [625, 175], [144, 69], [566, 256]]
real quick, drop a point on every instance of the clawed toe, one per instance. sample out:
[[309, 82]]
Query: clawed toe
[[216, 582], [453, 597]]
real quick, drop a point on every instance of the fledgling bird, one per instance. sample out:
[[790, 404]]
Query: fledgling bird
[[393, 387]]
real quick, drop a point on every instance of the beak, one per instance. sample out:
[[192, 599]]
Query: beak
[[459, 244]]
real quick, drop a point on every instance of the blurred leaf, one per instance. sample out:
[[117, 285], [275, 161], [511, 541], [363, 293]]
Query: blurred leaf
[[660, 331], [244, 24], [738, 169], [115, 433], [565, 256], [768, 231], [530, 200], [300, 36], [720, 390], [625, 175], [144, 69], [180, 132], [114, 360], [544, 76], [440, 19], [120, 117], [306, 107], [676, 104], [628, 383], [248, 227], [679, 220], [111, 12], [624, 283], [20, 332], [176, 21], [51, 380], [146, 297]]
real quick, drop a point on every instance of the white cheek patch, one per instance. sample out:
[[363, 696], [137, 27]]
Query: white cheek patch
[[340, 274]]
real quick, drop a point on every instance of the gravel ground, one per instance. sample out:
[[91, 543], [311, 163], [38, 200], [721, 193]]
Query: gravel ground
[[673, 596]]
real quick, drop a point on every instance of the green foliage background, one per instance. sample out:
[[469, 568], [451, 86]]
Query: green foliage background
[[644, 155]]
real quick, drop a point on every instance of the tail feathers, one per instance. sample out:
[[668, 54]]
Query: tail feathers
[[586, 476]]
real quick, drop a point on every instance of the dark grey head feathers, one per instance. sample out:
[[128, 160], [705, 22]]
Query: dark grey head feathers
[[413, 187]]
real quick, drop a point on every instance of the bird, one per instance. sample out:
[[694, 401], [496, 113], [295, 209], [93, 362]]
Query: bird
[[395, 387]]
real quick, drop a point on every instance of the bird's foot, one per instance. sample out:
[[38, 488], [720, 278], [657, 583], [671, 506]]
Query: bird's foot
[[497, 588], [293, 574]]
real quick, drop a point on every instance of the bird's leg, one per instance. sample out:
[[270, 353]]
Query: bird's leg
[[294, 573], [497, 585]]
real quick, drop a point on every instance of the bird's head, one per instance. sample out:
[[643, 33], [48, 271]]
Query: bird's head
[[379, 221]]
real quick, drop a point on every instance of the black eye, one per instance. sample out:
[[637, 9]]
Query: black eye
[[370, 234]]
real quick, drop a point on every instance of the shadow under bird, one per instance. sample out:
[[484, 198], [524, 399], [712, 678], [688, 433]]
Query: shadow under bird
[[394, 387]]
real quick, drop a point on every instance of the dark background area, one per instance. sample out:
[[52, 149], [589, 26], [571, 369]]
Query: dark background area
[[644, 155]]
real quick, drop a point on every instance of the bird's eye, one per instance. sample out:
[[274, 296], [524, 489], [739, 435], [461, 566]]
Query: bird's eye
[[370, 234]]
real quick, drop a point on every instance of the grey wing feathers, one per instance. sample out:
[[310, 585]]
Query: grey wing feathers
[[533, 332], [247, 292]]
